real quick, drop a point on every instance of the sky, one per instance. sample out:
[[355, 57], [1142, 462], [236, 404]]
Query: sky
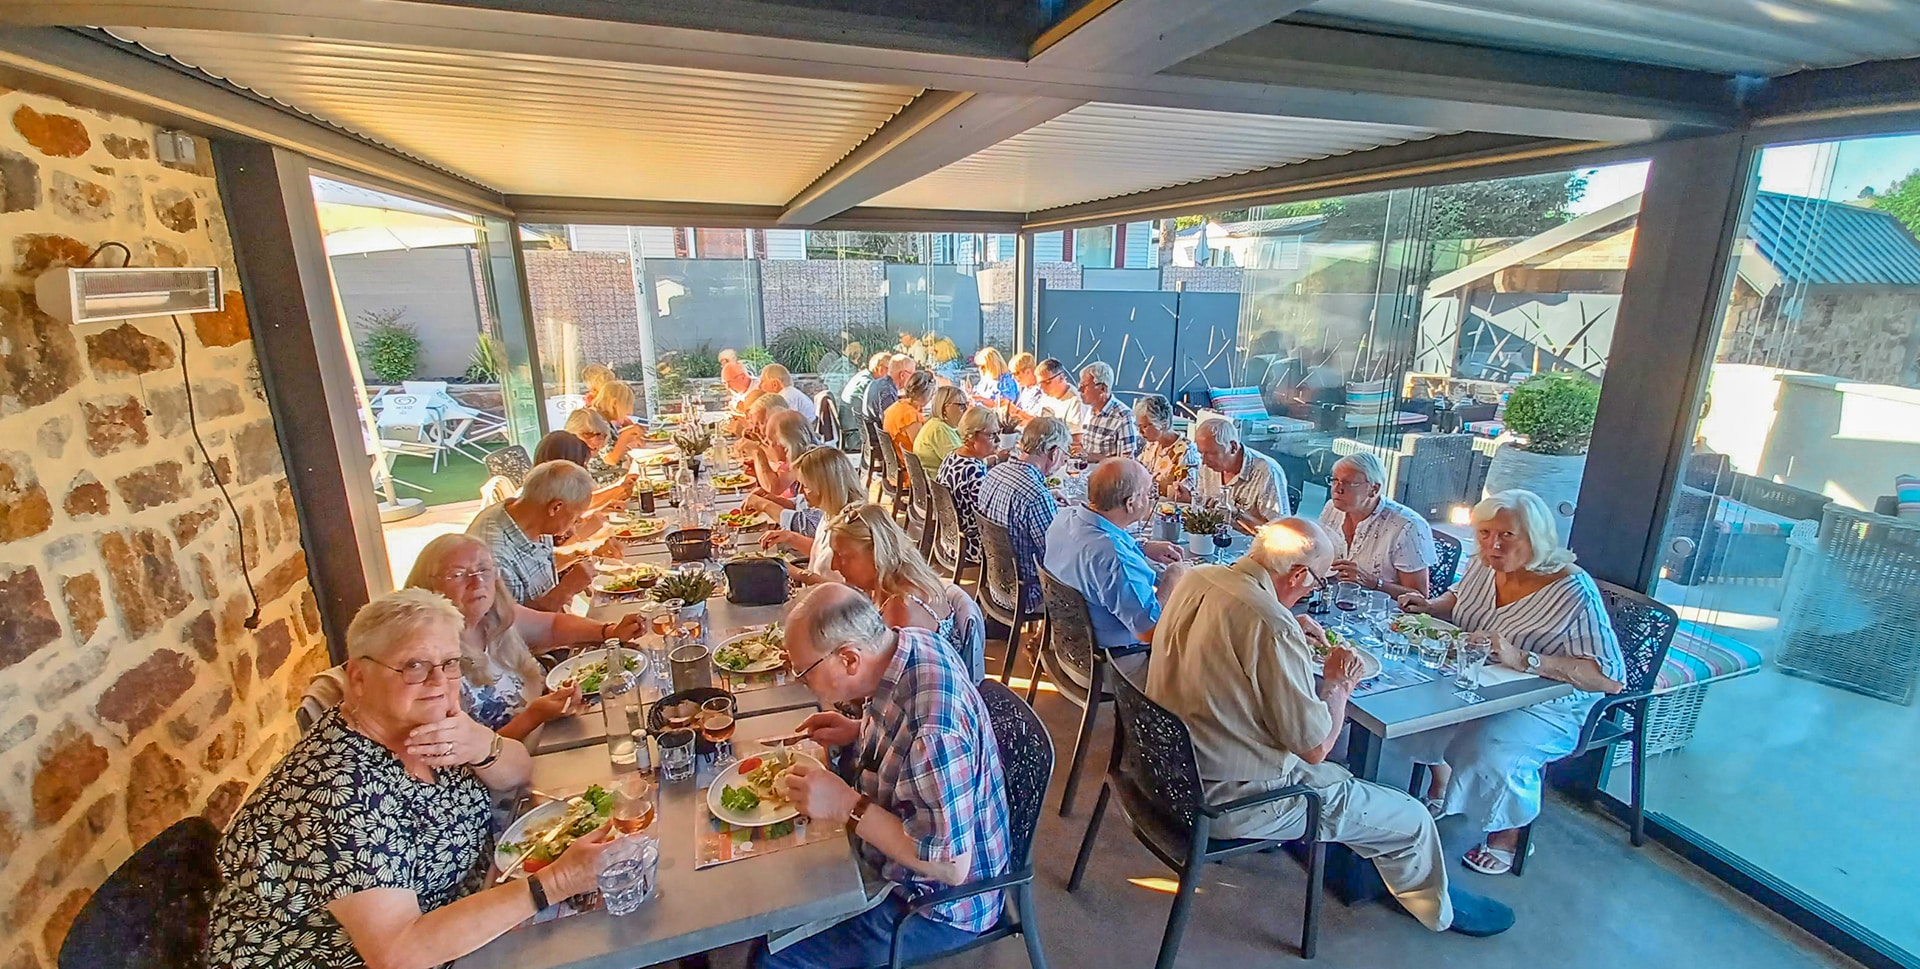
[[1829, 170]]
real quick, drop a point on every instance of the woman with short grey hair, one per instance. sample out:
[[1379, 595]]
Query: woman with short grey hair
[[1379, 543], [1168, 454]]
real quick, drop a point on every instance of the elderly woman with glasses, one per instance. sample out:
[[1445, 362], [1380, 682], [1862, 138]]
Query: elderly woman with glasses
[[1380, 543], [500, 682], [1169, 456], [607, 452], [368, 844], [940, 434], [1544, 616]]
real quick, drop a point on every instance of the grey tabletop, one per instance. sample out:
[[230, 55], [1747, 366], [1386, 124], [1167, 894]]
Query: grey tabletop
[[695, 910], [1439, 703]]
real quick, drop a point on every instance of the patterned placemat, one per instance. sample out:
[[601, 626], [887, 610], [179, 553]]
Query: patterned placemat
[[715, 842]]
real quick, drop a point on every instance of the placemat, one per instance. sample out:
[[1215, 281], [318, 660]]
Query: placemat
[[716, 842], [1394, 675]]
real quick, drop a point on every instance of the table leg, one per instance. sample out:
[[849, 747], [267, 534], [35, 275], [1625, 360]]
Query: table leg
[[1351, 878]]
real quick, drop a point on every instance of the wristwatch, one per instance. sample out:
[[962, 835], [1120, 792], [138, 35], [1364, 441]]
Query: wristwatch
[[859, 811], [1533, 662], [493, 754], [539, 894]]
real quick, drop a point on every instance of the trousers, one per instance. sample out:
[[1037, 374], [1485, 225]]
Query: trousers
[[1498, 761], [864, 941]]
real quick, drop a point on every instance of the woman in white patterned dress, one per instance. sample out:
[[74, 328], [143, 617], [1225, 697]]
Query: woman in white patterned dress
[[1546, 617]]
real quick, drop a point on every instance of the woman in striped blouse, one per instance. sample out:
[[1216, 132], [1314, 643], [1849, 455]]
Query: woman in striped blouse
[[1546, 617]]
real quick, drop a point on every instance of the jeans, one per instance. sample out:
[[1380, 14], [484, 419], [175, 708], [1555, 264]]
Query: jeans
[[864, 941]]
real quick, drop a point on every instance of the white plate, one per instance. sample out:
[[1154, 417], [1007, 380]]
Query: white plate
[[517, 831], [603, 585], [735, 481], [647, 528], [756, 521], [1369, 663], [763, 666], [562, 672], [760, 816]]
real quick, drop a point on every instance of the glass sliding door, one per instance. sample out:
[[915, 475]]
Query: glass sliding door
[[502, 275], [1785, 738]]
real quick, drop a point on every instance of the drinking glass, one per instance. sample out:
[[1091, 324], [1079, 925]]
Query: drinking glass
[[629, 872], [716, 727], [1346, 596], [1433, 651], [1396, 645], [1474, 649], [633, 807], [676, 756]]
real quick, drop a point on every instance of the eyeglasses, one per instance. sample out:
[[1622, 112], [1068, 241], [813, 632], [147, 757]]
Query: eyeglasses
[[462, 575], [417, 671], [802, 675], [1345, 486]]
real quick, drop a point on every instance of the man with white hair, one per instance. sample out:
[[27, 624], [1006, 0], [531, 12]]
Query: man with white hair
[[928, 807], [1249, 482], [1107, 429], [776, 379], [522, 531], [1015, 497], [885, 390], [1379, 543], [1233, 662], [1090, 549]]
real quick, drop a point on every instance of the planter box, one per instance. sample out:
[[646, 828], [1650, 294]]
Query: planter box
[[1554, 477]]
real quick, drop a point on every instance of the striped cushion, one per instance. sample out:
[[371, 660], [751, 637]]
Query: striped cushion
[[1239, 403], [1369, 398], [1702, 656], [1906, 490]]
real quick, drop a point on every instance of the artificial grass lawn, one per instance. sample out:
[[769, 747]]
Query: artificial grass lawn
[[459, 479]]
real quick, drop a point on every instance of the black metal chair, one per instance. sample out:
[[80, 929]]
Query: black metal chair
[[1078, 667], [894, 477], [1155, 777], [999, 590], [152, 912], [919, 503], [511, 462], [870, 439], [827, 425], [1645, 629], [951, 552], [1026, 759], [1441, 577]]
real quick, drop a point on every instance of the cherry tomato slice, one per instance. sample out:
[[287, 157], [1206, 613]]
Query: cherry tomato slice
[[749, 765]]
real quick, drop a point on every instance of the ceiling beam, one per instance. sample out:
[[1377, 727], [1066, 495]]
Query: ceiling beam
[[604, 211], [89, 72], [941, 127], [1373, 78]]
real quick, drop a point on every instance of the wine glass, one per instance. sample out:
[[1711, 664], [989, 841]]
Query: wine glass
[[716, 727]]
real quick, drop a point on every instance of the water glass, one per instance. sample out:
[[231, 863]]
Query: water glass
[[1432, 651], [676, 756], [1473, 655], [629, 872], [1396, 646]]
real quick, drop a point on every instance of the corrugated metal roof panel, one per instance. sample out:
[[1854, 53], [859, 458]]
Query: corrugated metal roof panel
[[1104, 150], [1823, 243], [556, 126], [1764, 37]]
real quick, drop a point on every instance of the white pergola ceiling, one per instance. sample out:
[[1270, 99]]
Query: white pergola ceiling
[[1099, 151], [529, 125]]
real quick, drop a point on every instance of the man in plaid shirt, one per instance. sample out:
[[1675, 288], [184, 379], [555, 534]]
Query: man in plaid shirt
[[928, 802], [1016, 498], [1108, 430]]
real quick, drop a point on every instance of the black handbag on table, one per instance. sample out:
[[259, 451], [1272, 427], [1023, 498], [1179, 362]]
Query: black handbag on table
[[757, 581]]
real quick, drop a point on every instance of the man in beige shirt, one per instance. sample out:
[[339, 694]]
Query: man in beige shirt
[[1232, 661]]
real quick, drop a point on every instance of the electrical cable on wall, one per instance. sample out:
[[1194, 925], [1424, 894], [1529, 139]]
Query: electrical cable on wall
[[193, 424]]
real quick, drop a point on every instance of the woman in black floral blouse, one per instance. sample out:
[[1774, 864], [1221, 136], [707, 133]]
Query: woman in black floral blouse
[[368, 844]]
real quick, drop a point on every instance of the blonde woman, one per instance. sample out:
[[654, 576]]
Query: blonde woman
[[593, 377], [873, 554], [938, 436], [996, 381], [614, 404], [828, 483], [1026, 376], [500, 682], [787, 436], [1544, 616]]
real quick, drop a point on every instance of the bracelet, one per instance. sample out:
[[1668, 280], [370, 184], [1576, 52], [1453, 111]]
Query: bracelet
[[603, 630], [493, 754], [859, 811], [539, 894]]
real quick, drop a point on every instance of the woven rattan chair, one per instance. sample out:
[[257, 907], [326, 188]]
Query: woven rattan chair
[[1156, 779], [999, 590], [1078, 667], [1026, 760], [951, 552], [1441, 577], [1853, 623], [152, 912]]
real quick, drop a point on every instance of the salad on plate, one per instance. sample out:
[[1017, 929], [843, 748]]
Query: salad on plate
[[748, 793], [754, 652], [544, 833], [732, 479]]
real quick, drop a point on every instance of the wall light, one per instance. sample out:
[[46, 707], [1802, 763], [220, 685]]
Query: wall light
[[1460, 515]]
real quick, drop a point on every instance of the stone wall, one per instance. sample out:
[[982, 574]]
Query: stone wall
[[131, 693], [583, 307], [1871, 336], [825, 295], [1202, 279]]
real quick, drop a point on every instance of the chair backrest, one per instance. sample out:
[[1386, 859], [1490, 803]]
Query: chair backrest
[[1434, 475], [495, 490], [920, 506], [1069, 623], [1441, 577], [152, 912], [511, 462], [826, 421], [1474, 413], [890, 458], [562, 406], [1002, 577], [1645, 629], [1026, 761], [950, 539], [971, 627], [1155, 772], [871, 435], [324, 692], [431, 391], [403, 410]]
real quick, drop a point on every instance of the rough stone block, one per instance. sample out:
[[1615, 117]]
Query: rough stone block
[[224, 803], [36, 252], [19, 733], [225, 327], [258, 449], [24, 508], [203, 634], [54, 932], [175, 210], [19, 182], [310, 611], [201, 713], [41, 361], [81, 198], [53, 436], [59, 683], [157, 793], [70, 762], [57, 135], [114, 424], [224, 746], [153, 252], [153, 486], [86, 497], [85, 608], [282, 577], [209, 578], [145, 578], [143, 694], [124, 148], [127, 350], [26, 617], [188, 525], [273, 643]]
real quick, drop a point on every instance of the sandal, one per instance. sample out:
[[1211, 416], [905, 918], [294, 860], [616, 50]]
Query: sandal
[[1436, 807], [1488, 860]]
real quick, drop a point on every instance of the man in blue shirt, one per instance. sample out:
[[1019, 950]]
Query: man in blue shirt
[[1089, 548]]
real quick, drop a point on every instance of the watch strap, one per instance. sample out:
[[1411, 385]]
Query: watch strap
[[859, 811], [493, 753], [539, 894]]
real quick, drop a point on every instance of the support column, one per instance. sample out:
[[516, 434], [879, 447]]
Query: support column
[[297, 333], [1663, 345], [1025, 304]]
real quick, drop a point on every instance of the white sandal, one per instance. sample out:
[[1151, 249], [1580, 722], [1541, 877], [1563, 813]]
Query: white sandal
[[1436, 807], [1488, 860]]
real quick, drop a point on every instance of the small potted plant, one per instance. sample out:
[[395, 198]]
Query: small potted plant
[[1551, 417], [1202, 525]]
